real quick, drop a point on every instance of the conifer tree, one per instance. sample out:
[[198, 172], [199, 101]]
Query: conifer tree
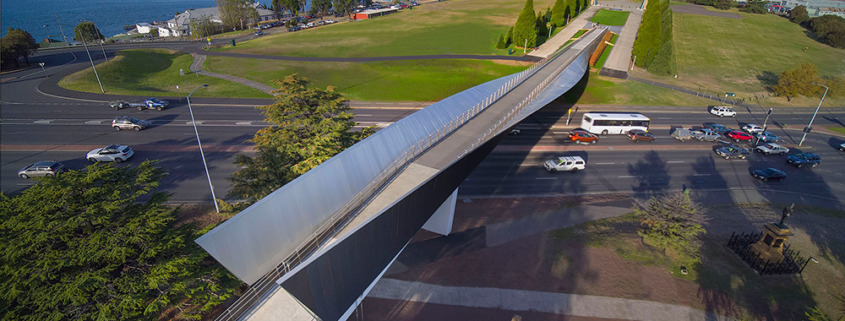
[[509, 37], [525, 30], [500, 43], [558, 18], [542, 29]]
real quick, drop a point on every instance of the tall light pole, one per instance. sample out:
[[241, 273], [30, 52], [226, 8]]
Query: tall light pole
[[101, 41], [92, 62], [194, 122], [810, 126]]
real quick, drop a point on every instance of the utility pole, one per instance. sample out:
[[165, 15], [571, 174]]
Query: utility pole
[[92, 64], [760, 135], [810, 126], [63, 32], [204, 164], [525, 48]]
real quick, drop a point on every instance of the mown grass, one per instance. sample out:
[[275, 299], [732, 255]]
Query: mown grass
[[579, 33], [603, 57], [412, 80], [449, 27], [745, 56], [610, 17], [153, 72], [837, 129], [604, 90]]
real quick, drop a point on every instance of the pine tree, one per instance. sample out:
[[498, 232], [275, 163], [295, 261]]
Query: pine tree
[[542, 29], [509, 37], [500, 43], [525, 31], [648, 38], [558, 18]]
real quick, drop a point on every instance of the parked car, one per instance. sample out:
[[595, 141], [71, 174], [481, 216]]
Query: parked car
[[719, 129], [111, 153], [565, 164], [127, 122], [733, 151], [705, 134], [769, 174], [804, 159], [259, 33], [330, 21], [583, 136], [637, 135], [738, 136], [682, 134], [722, 111], [752, 128], [768, 137], [772, 148], [42, 168]]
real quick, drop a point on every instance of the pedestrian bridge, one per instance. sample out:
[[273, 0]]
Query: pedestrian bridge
[[312, 249]]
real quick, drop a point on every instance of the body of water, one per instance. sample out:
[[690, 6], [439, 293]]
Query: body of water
[[38, 17]]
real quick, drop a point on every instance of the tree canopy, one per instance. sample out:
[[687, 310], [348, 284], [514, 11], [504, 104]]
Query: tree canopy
[[88, 32], [672, 222], [799, 14], [525, 30], [830, 29], [235, 14], [308, 126], [17, 43], [101, 245], [558, 17], [798, 81]]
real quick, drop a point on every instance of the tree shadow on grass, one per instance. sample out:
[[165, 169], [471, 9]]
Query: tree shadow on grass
[[768, 79]]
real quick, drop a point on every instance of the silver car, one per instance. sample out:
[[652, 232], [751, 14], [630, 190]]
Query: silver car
[[42, 168], [110, 153]]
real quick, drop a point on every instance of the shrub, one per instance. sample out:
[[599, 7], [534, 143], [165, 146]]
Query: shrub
[[500, 43], [799, 15]]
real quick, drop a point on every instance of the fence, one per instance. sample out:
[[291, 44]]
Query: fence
[[262, 286], [792, 262]]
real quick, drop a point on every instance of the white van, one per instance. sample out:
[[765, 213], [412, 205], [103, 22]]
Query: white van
[[565, 164]]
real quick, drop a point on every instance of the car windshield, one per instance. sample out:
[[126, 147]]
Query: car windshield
[[154, 100]]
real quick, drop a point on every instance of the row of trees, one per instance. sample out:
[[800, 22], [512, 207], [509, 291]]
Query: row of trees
[[654, 48], [829, 29], [799, 82], [531, 25], [236, 14], [16, 44]]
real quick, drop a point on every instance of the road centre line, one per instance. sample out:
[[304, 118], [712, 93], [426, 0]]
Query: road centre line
[[674, 162], [625, 176], [700, 174], [545, 177], [605, 163]]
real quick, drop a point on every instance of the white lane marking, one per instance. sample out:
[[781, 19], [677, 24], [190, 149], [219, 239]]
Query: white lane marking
[[42, 122], [364, 115], [243, 123], [700, 174], [605, 164], [674, 162], [560, 133], [545, 177], [191, 123], [93, 122], [531, 164], [626, 176], [664, 117]]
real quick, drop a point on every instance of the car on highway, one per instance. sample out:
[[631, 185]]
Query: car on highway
[[155, 103], [515, 131], [583, 136], [804, 159], [841, 147], [739, 136], [752, 128], [722, 111], [767, 174], [127, 122], [111, 153], [733, 151], [768, 137], [42, 168], [771, 148], [719, 128], [565, 164], [637, 135], [705, 134]]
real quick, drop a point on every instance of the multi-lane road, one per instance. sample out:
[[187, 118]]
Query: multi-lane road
[[35, 126]]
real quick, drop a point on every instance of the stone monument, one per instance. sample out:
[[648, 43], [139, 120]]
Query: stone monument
[[770, 246]]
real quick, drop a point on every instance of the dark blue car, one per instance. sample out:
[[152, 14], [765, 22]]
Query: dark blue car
[[804, 159], [768, 137], [718, 128], [769, 174]]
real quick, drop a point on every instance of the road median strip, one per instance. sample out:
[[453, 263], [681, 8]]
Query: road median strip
[[137, 148]]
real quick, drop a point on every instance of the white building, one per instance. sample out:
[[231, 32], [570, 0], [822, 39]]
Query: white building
[[180, 25], [144, 28], [831, 11]]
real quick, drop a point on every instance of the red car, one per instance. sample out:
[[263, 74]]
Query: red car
[[739, 136]]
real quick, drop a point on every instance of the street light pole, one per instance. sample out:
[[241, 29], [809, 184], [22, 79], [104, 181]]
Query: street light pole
[[760, 135], [92, 63], [814, 114], [194, 122], [42, 69], [101, 42]]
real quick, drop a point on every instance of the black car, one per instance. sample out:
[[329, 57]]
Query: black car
[[769, 173]]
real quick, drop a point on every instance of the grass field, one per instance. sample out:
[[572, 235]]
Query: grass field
[[837, 129], [449, 27], [745, 56], [610, 17], [605, 90], [413, 80], [153, 72]]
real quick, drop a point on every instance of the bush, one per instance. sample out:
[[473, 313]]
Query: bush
[[799, 15], [755, 6], [799, 81], [830, 29], [500, 43], [723, 4]]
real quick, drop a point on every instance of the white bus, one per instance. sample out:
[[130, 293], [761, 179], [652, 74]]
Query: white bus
[[614, 123]]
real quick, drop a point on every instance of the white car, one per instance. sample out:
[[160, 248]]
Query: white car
[[722, 111], [752, 128], [842, 147], [110, 153], [772, 148], [565, 164]]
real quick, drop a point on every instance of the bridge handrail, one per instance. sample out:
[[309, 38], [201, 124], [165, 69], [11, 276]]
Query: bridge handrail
[[345, 213]]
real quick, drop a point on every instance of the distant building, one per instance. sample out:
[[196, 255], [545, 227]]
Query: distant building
[[180, 25], [144, 28], [369, 14], [831, 11], [812, 5]]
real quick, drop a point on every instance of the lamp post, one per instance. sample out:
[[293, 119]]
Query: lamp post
[[101, 42], [810, 126], [92, 62], [194, 122], [42, 69]]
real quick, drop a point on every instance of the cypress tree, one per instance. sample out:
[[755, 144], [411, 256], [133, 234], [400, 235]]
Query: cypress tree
[[648, 37], [500, 43], [509, 36], [542, 30], [568, 10], [525, 28], [558, 18]]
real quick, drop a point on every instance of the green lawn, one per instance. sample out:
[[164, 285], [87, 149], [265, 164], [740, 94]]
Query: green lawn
[[603, 57], [413, 80], [610, 17], [449, 27], [605, 90], [837, 129], [745, 56], [153, 72], [579, 33]]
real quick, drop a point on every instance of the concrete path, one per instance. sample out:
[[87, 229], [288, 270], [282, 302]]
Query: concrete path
[[620, 56], [196, 67], [552, 45], [549, 302], [501, 233]]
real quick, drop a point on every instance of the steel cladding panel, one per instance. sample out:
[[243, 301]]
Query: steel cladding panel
[[252, 244], [376, 243]]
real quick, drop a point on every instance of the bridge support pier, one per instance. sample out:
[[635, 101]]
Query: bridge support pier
[[441, 221]]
